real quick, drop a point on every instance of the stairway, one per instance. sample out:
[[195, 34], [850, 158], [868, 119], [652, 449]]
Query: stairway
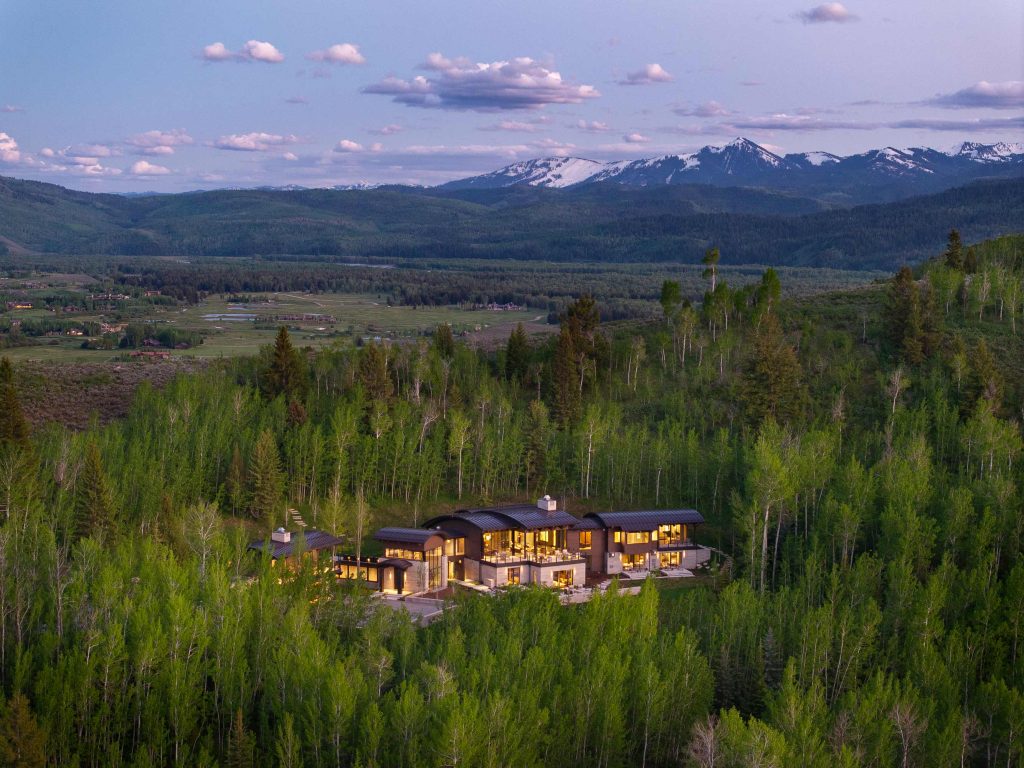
[[295, 518]]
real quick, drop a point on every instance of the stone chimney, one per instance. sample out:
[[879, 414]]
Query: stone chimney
[[547, 504], [281, 536]]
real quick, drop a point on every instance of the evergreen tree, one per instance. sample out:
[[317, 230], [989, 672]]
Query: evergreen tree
[[954, 255], [444, 341], [770, 289], [22, 741], [241, 745], [373, 373], [903, 319], [565, 376], [971, 261], [94, 502], [13, 426], [517, 355], [266, 480], [986, 381], [234, 484], [285, 374], [773, 381]]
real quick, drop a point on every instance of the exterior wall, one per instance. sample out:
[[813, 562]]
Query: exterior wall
[[613, 563], [472, 570], [472, 535], [598, 549], [544, 575], [693, 556]]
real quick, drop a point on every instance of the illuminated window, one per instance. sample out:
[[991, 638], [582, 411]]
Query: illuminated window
[[617, 537], [404, 554], [455, 547], [638, 537], [585, 539], [562, 578], [513, 575]]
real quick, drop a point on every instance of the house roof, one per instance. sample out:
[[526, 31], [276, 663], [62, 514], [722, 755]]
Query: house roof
[[646, 520], [587, 524], [315, 540], [522, 516], [408, 535]]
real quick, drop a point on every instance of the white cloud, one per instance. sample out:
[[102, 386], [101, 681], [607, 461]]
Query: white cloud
[[145, 168], [347, 145], [459, 84], [291, 156], [9, 152], [784, 122], [591, 126], [514, 126], [253, 142], [1005, 95], [387, 130], [650, 74], [253, 50], [707, 109], [11, 108], [158, 142], [635, 138], [341, 53], [826, 12]]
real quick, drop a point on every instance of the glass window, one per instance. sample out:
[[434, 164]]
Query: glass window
[[513, 575], [562, 578], [638, 537], [585, 539], [455, 547], [617, 537]]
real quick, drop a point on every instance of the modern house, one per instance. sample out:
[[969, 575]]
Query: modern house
[[517, 544]]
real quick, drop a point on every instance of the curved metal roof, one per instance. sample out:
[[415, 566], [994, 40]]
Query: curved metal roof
[[646, 520], [314, 540], [408, 535], [520, 516], [395, 562]]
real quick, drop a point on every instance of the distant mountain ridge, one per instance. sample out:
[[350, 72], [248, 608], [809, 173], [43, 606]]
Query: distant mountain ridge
[[876, 175]]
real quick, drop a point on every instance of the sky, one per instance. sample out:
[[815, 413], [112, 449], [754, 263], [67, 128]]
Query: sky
[[132, 96]]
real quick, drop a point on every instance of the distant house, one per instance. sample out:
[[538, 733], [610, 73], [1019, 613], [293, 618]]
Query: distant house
[[19, 305], [150, 354], [151, 293], [285, 548]]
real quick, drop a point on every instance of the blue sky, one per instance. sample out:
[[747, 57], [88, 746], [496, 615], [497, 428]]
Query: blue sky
[[151, 95]]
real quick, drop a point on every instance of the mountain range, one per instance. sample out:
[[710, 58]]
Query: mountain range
[[874, 176]]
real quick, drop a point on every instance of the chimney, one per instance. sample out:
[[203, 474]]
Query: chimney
[[547, 504], [281, 536]]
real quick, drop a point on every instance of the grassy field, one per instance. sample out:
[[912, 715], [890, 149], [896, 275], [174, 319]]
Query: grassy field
[[316, 320]]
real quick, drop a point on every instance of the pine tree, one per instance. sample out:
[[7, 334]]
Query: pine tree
[[904, 323], [13, 426], [773, 381], [284, 375], [971, 261], [671, 299], [234, 484], [94, 503], [265, 479], [954, 251], [517, 354], [373, 373], [241, 745], [565, 376], [444, 341], [22, 741]]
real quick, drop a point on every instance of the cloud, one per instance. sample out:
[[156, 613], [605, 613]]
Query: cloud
[[554, 147], [341, 53], [290, 156], [158, 142], [253, 142], [825, 13], [784, 122], [253, 50], [515, 126], [980, 124], [650, 74], [387, 130], [145, 168], [11, 108], [635, 138], [707, 109], [591, 126], [347, 146], [520, 83], [9, 152], [297, 100], [1005, 95], [76, 160]]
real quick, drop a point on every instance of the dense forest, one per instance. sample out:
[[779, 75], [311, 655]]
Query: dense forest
[[857, 458], [607, 224]]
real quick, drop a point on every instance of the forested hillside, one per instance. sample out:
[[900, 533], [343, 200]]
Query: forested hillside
[[857, 458], [600, 223]]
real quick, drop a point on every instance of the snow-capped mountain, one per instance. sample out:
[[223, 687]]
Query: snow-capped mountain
[[544, 172], [743, 162]]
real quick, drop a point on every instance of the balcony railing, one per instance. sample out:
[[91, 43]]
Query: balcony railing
[[539, 557]]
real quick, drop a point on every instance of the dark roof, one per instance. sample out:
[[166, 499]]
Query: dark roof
[[395, 562], [646, 520], [523, 516], [588, 524], [315, 540], [408, 535]]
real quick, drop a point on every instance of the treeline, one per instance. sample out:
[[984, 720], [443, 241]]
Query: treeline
[[866, 502]]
